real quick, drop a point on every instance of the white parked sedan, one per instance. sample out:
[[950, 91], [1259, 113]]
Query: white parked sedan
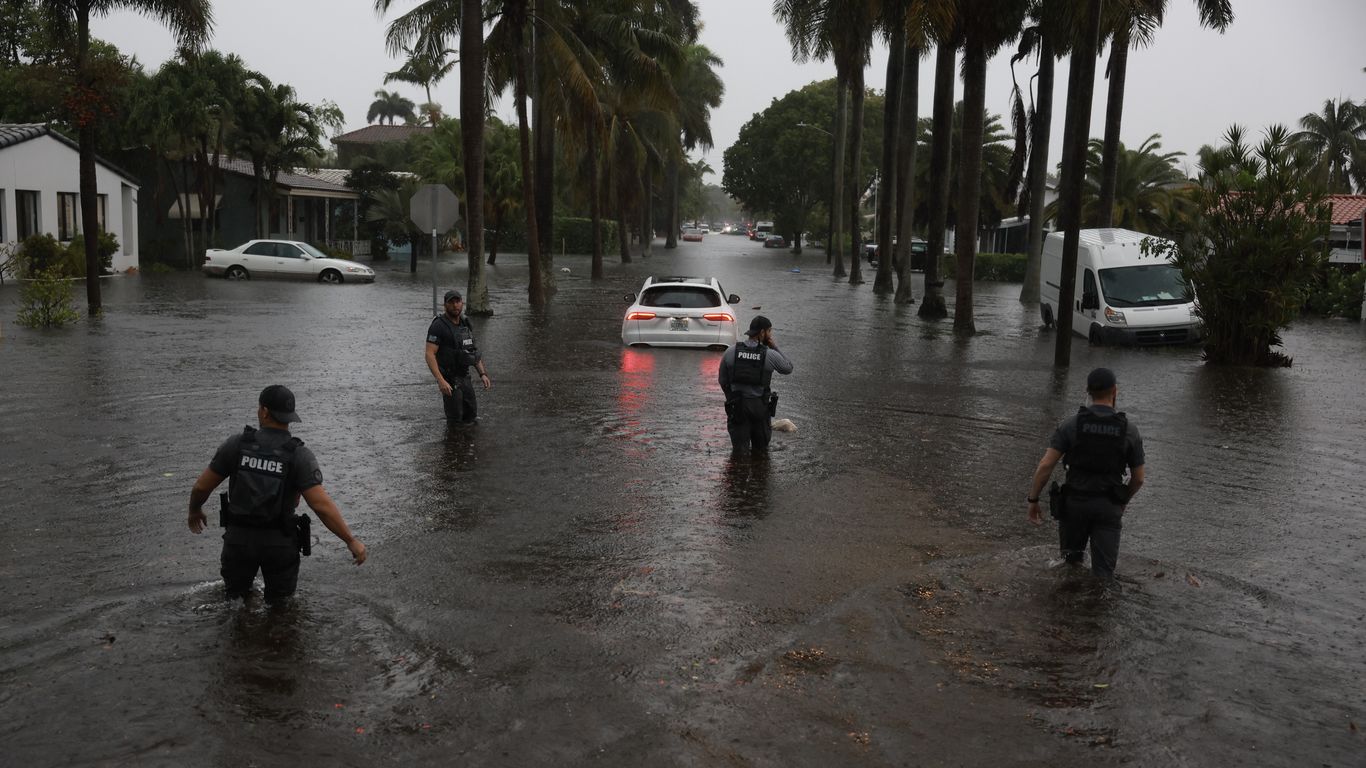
[[680, 312], [288, 259]]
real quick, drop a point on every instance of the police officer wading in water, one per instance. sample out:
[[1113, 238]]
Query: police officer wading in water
[[451, 352], [1096, 445], [744, 374], [268, 471]]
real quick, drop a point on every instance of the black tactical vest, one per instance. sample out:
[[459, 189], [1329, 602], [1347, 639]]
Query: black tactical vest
[[751, 366], [457, 360], [1098, 453], [258, 490]]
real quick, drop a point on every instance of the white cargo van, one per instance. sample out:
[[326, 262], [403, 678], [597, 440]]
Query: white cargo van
[[1122, 295]]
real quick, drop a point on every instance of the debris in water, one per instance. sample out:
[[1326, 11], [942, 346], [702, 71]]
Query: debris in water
[[1159, 574], [794, 269], [1190, 579], [784, 425]]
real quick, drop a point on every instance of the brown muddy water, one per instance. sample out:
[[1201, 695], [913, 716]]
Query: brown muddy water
[[588, 577]]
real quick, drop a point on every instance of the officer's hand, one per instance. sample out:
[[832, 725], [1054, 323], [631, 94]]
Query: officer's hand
[[357, 550], [198, 520], [445, 387], [488, 383], [1035, 515]]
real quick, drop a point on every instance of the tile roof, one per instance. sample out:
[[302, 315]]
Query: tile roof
[[1347, 208], [18, 133], [297, 178], [381, 134]]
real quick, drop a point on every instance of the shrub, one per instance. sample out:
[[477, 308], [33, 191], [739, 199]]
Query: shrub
[[574, 235], [994, 267], [75, 254], [39, 253], [1336, 293], [46, 301]]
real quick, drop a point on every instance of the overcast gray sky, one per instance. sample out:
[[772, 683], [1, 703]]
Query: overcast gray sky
[[1278, 61]]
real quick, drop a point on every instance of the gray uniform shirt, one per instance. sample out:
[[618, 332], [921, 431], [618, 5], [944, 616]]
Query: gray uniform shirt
[[1065, 436], [774, 361]]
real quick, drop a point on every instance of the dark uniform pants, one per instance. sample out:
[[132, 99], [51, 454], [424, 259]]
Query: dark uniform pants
[[748, 424], [1094, 518], [245, 550], [460, 404]]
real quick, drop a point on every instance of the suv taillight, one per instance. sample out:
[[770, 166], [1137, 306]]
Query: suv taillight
[[641, 316]]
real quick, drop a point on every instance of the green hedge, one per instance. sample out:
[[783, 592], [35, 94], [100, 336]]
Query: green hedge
[[994, 267], [573, 235], [1336, 292], [41, 253]]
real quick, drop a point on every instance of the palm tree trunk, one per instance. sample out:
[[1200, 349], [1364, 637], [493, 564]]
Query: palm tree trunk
[[623, 231], [969, 183], [472, 149], [891, 120], [1038, 170], [671, 193], [497, 234], [88, 188], [1114, 116], [856, 177], [933, 306], [1080, 89], [545, 183], [907, 138], [647, 227], [535, 287], [835, 246], [595, 198]]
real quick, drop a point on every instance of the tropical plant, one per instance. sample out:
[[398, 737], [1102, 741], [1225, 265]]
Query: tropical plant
[[389, 106], [1254, 251], [1134, 22], [69, 20], [1335, 139], [1148, 188]]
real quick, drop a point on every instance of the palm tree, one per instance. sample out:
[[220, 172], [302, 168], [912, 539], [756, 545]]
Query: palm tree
[[842, 30], [430, 27], [699, 90], [189, 20], [987, 25], [503, 180], [424, 67], [1335, 139], [1147, 186], [389, 106], [1136, 21], [933, 305]]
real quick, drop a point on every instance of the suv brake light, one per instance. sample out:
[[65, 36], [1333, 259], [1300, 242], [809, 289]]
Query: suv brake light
[[720, 317], [641, 316]]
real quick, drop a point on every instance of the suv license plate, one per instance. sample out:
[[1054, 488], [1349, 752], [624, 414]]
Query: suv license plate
[[678, 324]]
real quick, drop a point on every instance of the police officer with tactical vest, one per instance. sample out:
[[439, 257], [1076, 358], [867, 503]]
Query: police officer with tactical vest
[[744, 376], [450, 353], [1096, 446], [268, 470]]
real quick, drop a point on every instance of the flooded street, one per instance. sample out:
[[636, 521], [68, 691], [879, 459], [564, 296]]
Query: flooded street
[[588, 577]]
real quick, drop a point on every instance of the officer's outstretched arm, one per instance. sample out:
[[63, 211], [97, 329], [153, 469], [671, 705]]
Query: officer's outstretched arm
[[200, 493], [326, 509]]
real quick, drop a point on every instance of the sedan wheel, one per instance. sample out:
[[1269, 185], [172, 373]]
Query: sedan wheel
[[330, 276], [236, 272]]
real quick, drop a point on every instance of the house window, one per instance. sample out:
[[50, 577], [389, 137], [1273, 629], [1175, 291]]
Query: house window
[[2, 215], [25, 213], [100, 211], [67, 213]]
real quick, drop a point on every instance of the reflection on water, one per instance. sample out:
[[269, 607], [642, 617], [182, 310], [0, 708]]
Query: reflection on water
[[588, 572]]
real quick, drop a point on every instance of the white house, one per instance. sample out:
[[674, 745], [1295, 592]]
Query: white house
[[40, 186]]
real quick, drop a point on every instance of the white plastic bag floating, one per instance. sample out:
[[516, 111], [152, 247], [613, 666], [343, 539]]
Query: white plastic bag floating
[[783, 425]]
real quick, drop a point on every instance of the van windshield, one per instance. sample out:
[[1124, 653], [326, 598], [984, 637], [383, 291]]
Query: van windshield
[[1149, 285]]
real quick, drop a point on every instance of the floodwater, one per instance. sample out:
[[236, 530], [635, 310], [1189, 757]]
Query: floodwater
[[588, 577]]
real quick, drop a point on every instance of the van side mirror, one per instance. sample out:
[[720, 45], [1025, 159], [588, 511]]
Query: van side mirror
[[1090, 300], [733, 299]]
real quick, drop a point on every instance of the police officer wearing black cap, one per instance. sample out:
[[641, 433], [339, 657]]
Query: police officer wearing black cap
[[1096, 446], [451, 352], [268, 470], [744, 376]]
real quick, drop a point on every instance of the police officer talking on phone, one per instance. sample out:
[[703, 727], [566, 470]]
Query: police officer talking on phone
[[744, 376], [1096, 446], [268, 470], [450, 353]]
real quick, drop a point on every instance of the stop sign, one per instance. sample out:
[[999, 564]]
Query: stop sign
[[434, 208]]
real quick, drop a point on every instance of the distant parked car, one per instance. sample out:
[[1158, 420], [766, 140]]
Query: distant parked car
[[287, 259], [692, 235], [775, 241], [919, 254]]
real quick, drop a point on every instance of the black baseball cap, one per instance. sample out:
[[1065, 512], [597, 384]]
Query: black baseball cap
[[758, 325], [280, 402], [1100, 380], [452, 296]]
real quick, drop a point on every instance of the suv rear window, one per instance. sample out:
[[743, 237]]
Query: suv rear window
[[680, 297]]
